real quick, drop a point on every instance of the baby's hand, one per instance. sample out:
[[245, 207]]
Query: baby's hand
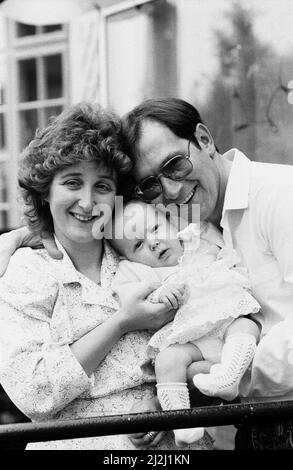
[[171, 295]]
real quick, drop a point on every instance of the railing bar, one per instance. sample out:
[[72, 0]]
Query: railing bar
[[141, 422]]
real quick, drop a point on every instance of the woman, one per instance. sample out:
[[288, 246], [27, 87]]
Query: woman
[[70, 350]]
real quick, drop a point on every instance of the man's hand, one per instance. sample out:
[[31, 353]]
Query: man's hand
[[11, 241], [146, 439], [50, 245]]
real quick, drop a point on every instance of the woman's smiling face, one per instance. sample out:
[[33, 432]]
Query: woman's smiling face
[[79, 196]]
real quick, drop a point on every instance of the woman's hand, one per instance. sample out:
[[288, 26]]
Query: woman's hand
[[136, 313], [146, 439]]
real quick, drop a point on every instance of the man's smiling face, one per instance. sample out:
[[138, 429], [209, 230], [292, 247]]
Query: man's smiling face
[[157, 144]]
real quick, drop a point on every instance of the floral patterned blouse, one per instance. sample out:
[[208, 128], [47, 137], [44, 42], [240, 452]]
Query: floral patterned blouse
[[46, 305]]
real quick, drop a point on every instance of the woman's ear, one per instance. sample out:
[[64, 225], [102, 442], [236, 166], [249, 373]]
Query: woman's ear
[[205, 139]]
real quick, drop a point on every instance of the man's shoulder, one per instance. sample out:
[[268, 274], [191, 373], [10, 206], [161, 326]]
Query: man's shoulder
[[272, 177], [270, 191], [270, 169]]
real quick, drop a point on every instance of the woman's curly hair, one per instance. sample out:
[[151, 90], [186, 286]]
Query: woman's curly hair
[[83, 132]]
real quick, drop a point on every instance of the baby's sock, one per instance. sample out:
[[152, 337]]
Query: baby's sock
[[223, 379], [175, 396]]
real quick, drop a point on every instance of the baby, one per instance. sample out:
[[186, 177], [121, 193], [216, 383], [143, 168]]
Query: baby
[[211, 297]]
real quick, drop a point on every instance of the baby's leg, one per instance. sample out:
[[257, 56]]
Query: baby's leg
[[171, 372], [243, 325], [179, 355], [198, 367], [238, 351]]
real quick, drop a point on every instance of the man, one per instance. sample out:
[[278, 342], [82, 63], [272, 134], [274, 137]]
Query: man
[[177, 162], [251, 203]]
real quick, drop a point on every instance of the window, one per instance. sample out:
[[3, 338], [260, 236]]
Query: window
[[30, 30], [40, 68], [27, 80], [25, 30], [40, 92], [2, 132], [33, 61]]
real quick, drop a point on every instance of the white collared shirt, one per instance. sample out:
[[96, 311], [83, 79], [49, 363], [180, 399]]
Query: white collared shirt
[[257, 221]]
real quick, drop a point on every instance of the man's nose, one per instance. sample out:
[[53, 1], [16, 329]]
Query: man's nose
[[171, 188]]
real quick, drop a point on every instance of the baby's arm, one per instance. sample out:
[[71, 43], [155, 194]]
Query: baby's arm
[[169, 294]]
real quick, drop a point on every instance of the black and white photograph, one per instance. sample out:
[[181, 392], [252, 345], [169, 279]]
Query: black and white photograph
[[146, 228]]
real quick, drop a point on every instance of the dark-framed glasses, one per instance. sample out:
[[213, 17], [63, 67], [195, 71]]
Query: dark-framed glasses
[[176, 169]]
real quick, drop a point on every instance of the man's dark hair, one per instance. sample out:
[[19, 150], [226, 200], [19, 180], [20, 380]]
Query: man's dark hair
[[178, 115]]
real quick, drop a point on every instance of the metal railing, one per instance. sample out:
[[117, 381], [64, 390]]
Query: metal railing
[[151, 421]]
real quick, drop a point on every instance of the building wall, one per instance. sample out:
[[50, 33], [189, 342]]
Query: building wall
[[232, 59]]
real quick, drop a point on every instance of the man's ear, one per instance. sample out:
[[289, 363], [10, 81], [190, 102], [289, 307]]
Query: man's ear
[[205, 139]]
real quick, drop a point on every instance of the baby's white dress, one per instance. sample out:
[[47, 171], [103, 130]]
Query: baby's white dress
[[218, 292]]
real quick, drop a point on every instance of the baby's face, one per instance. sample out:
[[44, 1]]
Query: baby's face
[[147, 236]]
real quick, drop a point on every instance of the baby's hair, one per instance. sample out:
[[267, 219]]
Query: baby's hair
[[117, 214], [157, 207]]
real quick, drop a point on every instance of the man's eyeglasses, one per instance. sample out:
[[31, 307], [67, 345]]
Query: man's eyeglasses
[[176, 169]]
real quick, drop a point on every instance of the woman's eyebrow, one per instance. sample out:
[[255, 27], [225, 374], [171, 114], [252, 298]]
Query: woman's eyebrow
[[76, 173]]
